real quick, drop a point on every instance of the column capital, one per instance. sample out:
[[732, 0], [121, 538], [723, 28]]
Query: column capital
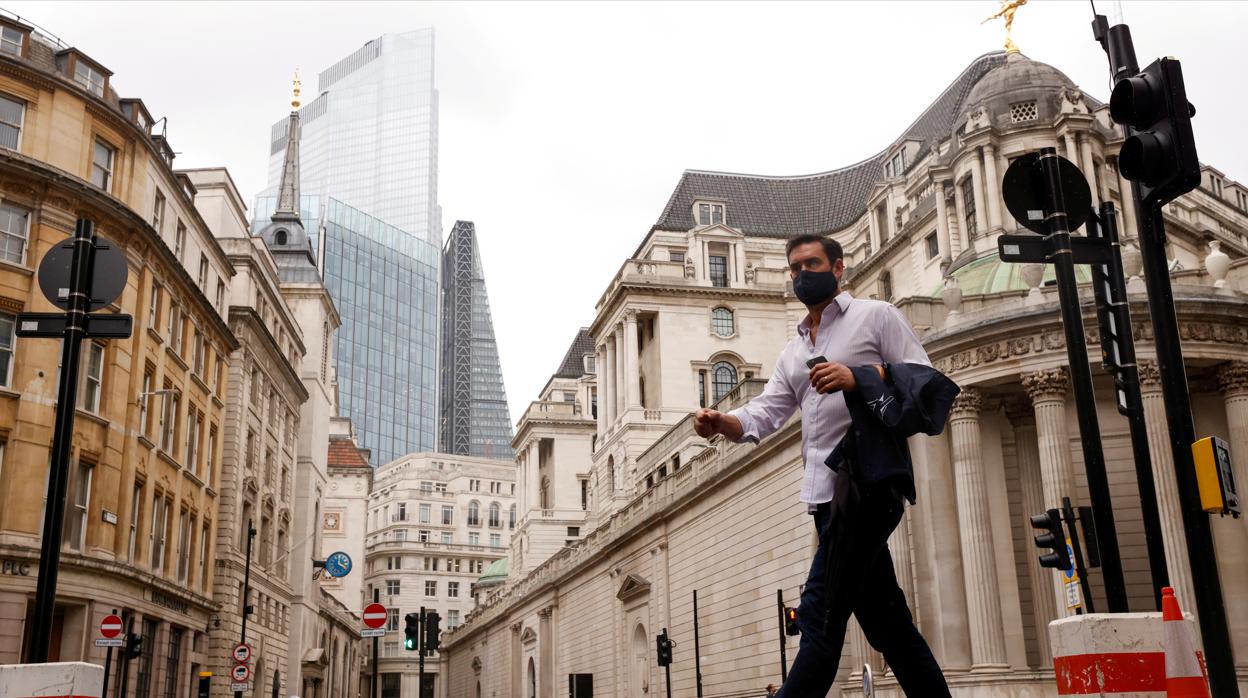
[[1150, 375], [1048, 383], [967, 404], [545, 613], [517, 627], [1233, 377], [630, 316]]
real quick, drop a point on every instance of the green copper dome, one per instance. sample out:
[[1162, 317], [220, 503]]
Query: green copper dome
[[989, 274], [496, 573]]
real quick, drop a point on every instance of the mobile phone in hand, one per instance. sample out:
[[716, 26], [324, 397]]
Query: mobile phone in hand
[[811, 363]]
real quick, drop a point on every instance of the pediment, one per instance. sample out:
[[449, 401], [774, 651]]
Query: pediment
[[717, 231], [633, 585], [528, 636]]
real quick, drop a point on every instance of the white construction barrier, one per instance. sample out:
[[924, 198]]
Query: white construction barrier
[[54, 680], [1111, 654]]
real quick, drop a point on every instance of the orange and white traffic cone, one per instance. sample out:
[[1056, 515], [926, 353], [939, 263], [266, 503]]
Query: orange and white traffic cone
[[1184, 675]]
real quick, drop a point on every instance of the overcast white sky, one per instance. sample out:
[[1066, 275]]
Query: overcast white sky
[[565, 126]]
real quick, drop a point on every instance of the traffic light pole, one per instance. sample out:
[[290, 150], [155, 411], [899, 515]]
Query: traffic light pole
[[108, 665], [420, 649], [1081, 380], [376, 641], [80, 273], [242, 636], [697, 647], [1068, 513], [784, 661], [123, 662], [1206, 585]]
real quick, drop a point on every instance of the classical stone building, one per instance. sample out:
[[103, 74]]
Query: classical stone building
[[697, 316], [145, 470], [345, 521], [435, 521]]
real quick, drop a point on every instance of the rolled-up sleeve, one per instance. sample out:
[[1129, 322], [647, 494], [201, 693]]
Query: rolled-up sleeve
[[899, 344], [768, 411]]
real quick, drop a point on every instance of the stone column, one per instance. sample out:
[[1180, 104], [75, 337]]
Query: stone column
[[546, 653], [600, 383], [983, 598], [1047, 390], [621, 349], [1173, 533], [606, 401], [963, 236], [1128, 229], [993, 187], [942, 222], [1044, 606], [1072, 154], [517, 656], [1231, 535], [533, 485], [631, 362], [1088, 165], [977, 189]]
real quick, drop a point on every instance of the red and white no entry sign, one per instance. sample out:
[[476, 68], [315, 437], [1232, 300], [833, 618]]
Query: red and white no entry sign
[[242, 653], [374, 615], [240, 673], [110, 627]]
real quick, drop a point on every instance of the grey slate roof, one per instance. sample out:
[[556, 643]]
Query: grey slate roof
[[573, 365], [819, 203]]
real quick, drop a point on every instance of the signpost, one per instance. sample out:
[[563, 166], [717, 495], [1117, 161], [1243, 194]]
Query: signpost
[[110, 629], [241, 653], [374, 619], [81, 274]]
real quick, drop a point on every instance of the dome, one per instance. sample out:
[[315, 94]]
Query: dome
[[1004, 92], [989, 274], [496, 573]]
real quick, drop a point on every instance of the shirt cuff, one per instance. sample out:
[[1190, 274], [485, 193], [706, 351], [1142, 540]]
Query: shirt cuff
[[749, 430]]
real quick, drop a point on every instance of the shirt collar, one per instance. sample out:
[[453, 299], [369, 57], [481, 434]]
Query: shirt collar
[[838, 305]]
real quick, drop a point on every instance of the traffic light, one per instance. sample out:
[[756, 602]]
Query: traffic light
[[134, 646], [664, 646], [790, 621], [1161, 156], [1051, 523], [411, 631], [432, 632]]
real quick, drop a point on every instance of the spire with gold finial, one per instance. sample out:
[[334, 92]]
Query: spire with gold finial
[[294, 102], [1008, 8]]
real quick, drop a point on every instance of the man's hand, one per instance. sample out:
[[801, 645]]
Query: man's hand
[[830, 377], [706, 422]]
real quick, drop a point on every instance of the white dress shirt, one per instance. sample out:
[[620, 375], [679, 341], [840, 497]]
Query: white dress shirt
[[852, 332]]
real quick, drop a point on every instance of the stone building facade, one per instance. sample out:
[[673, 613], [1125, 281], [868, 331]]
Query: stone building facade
[[145, 470], [435, 522], [698, 314]]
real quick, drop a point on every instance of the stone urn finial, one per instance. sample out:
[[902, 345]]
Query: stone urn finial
[[1033, 276], [951, 295], [1217, 263]]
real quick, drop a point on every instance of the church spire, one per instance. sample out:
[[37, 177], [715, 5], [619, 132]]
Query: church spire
[[288, 190]]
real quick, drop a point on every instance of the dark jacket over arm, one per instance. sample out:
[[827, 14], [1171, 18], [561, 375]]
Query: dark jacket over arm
[[884, 412]]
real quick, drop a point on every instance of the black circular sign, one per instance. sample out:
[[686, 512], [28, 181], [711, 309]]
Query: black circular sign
[[108, 278], [1025, 192]]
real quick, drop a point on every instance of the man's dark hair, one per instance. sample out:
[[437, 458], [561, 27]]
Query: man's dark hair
[[831, 247]]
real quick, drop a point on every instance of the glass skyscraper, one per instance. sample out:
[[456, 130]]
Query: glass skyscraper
[[475, 419]]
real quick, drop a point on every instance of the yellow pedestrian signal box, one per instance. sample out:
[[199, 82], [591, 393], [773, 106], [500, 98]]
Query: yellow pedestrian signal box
[[1218, 495]]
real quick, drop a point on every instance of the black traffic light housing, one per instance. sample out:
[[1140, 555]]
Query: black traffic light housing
[[134, 646], [1053, 538], [432, 631], [411, 631], [790, 621], [1160, 157], [664, 645]]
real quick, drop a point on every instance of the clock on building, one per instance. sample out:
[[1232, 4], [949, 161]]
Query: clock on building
[[331, 522]]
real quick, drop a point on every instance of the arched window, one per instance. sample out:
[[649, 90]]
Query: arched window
[[496, 520], [280, 237], [722, 322], [511, 517], [474, 513], [610, 474], [724, 377], [886, 286]]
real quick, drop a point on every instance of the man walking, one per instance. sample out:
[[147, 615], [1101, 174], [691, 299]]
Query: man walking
[[860, 376]]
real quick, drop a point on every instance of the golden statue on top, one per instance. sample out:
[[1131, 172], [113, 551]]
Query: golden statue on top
[[1008, 8], [294, 102]]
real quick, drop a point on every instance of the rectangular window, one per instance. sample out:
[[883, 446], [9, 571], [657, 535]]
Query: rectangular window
[[426, 487], [448, 516], [135, 504], [168, 419], [474, 538], [426, 515], [452, 590], [8, 324], [220, 295], [11, 41], [158, 212], [159, 532], [392, 587], [92, 378], [174, 659], [153, 307], [933, 246], [676, 256], [710, 214], [197, 351], [431, 587], [210, 454], [968, 203], [184, 546], [75, 534], [495, 540], [102, 164], [12, 117], [423, 536], [401, 515], [175, 327], [179, 242], [440, 487], [90, 78], [203, 274], [392, 619], [584, 494], [701, 388], [452, 618], [881, 223], [14, 232], [446, 537], [718, 270], [203, 558], [143, 688]]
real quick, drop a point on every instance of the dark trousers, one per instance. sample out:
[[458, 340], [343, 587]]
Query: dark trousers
[[870, 593]]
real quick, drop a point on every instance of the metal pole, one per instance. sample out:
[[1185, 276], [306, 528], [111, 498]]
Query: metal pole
[[1133, 410], [80, 266], [376, 642], [251, 534], [420, 649], [1207, 587], [784, 661], [123, 662], [1068, 513], [1081, 380], [108, 665], [697, 647]]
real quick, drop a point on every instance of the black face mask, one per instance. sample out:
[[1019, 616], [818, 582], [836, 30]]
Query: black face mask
[[814, 287]]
